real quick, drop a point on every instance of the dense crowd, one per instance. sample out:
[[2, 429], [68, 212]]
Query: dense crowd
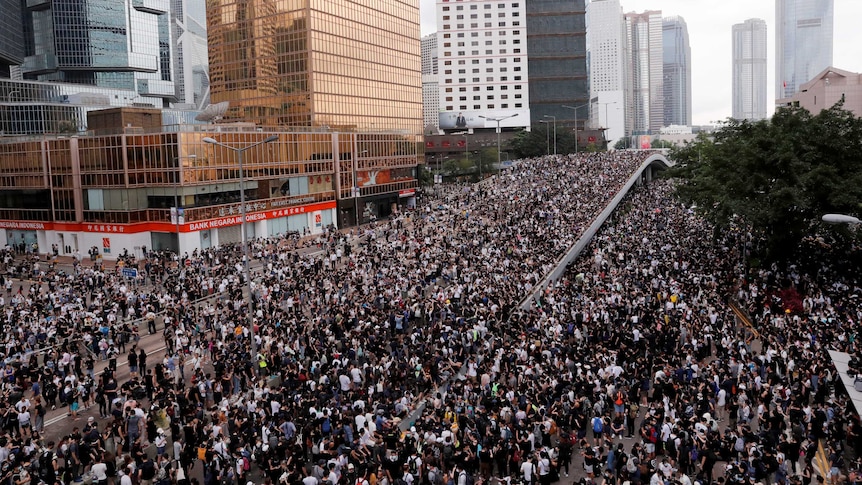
[[402, 356]]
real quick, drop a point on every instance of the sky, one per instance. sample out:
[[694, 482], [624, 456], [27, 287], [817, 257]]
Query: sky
[[709, 29]]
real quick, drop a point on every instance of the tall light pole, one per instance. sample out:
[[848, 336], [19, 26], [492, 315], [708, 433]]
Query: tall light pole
[[467, 148], [176, 198], [576, 108], [555, 132], [356, 190], [547, 137], [498, 120], [607, 121], [239, 152]]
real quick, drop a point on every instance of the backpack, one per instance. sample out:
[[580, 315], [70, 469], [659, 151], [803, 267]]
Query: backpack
[[469, 478], [632, 464], [246, 464], [598, 424], [326, 427], [411, 465], [435, 476], [45, 465]]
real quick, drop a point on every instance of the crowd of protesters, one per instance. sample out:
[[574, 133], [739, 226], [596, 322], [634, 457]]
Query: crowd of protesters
[[402, 357]]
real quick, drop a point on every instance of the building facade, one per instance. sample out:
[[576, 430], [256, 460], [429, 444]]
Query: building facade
[[35, 108], [556, 59], [803, 42], [644, 73], [167, 188], [608, 61], [749, 70], [11, 36], [430, 85], [117, 44], [345, 65], [483, 64], [676, 82], [826, 89], [189, 31]]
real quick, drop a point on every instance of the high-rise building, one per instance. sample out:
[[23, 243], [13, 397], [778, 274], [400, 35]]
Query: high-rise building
[[189, 32], [749, 70], [347, 65], [123, 44], [430, 85], [483, 64], [607, 39], [644, 73], [557, 59], [429, 54], [676, 52], [11, 36], [803, 42]]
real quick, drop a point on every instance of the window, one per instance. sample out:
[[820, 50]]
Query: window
[[446, 17], [502, 42], [516, 41], [446, 8], [448, 99], [463, 107], [474, 34], [474, 26], [516, 51], [504, 96], [477, 98], [461, 53], [474, 16], [477, 106], [445, 26], [502, 69], [460, 44], [516, 32], [449, 108], [504, 88], [502, 51], [487, 15], [476, 71], [517, 86], [490, 97], [462, 71], [474, 53], [489, 88], [475, 61], [474, 43], [460, 26], [489, 52], [504, 105], [487, 25], [462, 90], [490, 106], [489, 61], [489, 79], [462, 80], [489, 69], [476, 88], [516, 14], [447, 71], [504, 78], [517, 78], [501, 24], [517, 96], [489, 42], [448, 90], [501, 15], [447, 36], [518, 105], [462, 98], [487, 6], [475, 79], [447, 63], [516, 23]]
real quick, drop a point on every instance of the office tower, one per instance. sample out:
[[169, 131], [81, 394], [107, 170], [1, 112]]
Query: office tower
[[123, 44], [557, 64], [607, 39], [429, 54], [644, 73], [749, 70], [483, 64], [11, 36], [430, 85], [803, 42], [189, 32], [349, 65], [676, 53]]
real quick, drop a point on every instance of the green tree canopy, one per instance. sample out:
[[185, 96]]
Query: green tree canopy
[[780, 175]]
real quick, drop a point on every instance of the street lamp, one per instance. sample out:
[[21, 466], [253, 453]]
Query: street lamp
[[356, 190], [498, 120], [467, 148], [179, 182], [840, 219], [576, 108], [239, 152], [555, 132], [547, 136]]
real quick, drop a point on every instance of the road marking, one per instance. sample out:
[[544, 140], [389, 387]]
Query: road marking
[[821, 462]]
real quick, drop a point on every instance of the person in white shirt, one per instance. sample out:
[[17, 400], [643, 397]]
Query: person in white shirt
[[528, 468]]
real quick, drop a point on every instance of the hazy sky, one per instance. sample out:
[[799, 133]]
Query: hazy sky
[[709, 29]]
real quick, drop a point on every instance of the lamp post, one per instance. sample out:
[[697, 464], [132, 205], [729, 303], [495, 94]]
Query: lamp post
[[176, 198], [467, 148], [576, 108], [607, 121], [246, 271], [555, 132], [498, 120], [547, 137], [356, 190]]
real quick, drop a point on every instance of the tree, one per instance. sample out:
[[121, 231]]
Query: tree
[[621, 144], [780, 175], [528, 144], [663, 144]]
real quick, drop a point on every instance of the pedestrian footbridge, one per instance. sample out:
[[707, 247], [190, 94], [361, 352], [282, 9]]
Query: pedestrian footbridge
[[644, 174]]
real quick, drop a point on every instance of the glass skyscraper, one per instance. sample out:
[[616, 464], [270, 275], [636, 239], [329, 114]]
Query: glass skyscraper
[[11, 43], [676, 53], [803, 42], [120, 44], [644, 90], [347, 65], [557, 60], [749, 70]]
